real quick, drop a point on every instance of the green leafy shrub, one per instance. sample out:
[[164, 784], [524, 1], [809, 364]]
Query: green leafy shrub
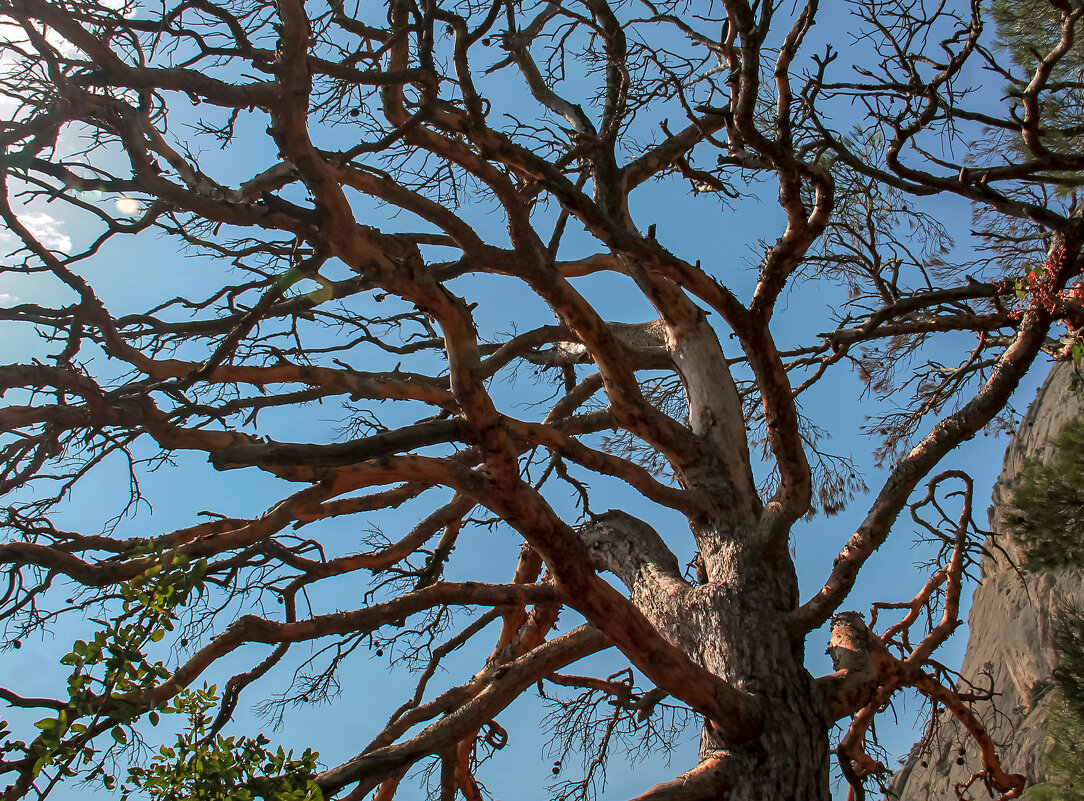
[[217, 768], [113, 669]]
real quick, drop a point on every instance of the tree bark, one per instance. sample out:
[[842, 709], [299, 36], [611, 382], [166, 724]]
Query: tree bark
[[736, 627], [739, 622]]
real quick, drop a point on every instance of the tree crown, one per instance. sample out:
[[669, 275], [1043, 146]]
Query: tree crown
[[393, 211]]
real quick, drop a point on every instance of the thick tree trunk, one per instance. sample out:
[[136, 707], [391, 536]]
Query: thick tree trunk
[[735, 625], [789, 760], [739, 622]]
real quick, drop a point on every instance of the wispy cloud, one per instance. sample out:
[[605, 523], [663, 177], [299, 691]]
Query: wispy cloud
[[7, 299], [46, 229]]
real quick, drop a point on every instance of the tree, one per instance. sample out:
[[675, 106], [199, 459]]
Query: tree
[[1044, 522], [1026, 28], [338, 172], [1048, 497]]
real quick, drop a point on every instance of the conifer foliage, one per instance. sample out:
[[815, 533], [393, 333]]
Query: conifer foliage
[[1048, 524], [1049, 521]]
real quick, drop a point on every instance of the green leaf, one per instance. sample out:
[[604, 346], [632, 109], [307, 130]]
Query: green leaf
[[41, 763], [119, 735]]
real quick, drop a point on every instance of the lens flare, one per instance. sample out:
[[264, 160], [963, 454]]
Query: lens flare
[[129, 205]]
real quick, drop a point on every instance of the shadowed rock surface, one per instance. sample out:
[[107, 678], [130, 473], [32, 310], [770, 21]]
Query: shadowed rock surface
[[1009, 624]]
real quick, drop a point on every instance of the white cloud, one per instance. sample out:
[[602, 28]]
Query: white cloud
[[7, 299], [48, 230]]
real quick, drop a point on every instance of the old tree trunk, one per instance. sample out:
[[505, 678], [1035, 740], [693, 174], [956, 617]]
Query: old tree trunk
[[737, 621], [739, 625], [736, 627], [790, 755]]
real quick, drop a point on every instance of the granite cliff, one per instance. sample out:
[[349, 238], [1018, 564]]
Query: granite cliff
[[1009, 625]]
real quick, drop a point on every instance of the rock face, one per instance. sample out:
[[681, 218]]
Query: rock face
[[1008, 646]]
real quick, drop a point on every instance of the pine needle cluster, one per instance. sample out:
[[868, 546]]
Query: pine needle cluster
[[1048, 522]]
